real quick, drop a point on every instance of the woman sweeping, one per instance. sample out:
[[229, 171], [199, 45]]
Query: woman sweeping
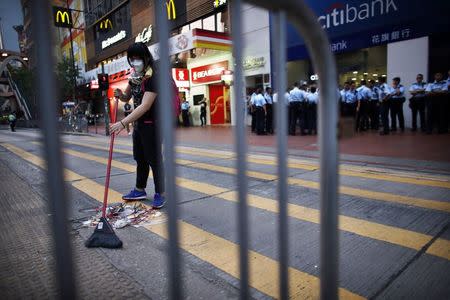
[[147, 144]]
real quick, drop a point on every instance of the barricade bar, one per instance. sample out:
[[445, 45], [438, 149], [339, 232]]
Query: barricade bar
[[57, 197], [165, 109], [304, 20], [241, 148], [279, 47]]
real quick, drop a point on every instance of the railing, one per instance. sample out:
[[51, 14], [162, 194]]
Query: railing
[[306, 23], [20, 99]]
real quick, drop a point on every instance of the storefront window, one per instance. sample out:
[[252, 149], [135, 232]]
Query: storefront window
[[196, 24], [209, 23], [220, 23]]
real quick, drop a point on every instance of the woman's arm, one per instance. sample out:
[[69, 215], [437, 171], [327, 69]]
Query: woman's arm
[[123, 96], [147, 101]]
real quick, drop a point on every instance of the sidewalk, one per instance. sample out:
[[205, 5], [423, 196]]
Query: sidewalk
[[26, 258], [407, 145]]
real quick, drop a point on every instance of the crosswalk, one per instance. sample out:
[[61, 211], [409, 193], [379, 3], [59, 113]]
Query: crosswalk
[[223, 253]]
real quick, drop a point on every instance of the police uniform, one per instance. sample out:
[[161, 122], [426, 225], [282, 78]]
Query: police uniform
[[417, 104], [374, 108], [253, 111], [385, 106], [436, 106], [296, 99], [349, 100], [185, 113], [397, 107], [269, 115], [362, 118], [259, 103], [312, 100]]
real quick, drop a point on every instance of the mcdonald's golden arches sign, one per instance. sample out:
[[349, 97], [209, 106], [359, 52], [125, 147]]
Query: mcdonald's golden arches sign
[[62, 17], [171, 10], [105, 25]]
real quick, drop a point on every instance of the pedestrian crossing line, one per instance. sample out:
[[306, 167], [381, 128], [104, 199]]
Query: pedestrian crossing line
[[345, 190], [345, 170], [217, 251], [385, 233]]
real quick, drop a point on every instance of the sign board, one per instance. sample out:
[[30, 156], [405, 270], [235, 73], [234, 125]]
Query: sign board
[[254, 63], [208, 73], [219, 3], [181, 77], [62, 17], [145, 36]]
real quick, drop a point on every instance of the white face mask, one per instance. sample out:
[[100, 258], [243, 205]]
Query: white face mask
[[138, 65]]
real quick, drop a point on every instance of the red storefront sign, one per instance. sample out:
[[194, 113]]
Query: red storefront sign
[[180, 74], [208, 73]]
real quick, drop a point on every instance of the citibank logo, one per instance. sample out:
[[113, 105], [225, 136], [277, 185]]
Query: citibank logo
[[171, 11], [340, 14]]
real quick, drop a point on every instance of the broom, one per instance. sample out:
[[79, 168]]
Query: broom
[[104, 235]]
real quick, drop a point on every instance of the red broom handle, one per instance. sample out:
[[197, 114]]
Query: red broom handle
[[108, 168]]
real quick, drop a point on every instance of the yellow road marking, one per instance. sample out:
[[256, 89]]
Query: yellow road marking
[[345, 170], [345, 190], [220, 252], [386, 233]]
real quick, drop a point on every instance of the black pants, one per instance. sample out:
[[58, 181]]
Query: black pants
[[203, 118], [437, 113], [312, 118], [294, 115], [259, 120], [253, 114], [12, 125], [185, 114], [269, 118], [397, 112], [385, 107], [348, 109], [147, 153], [374, 114], [362, 116], [417, 106]]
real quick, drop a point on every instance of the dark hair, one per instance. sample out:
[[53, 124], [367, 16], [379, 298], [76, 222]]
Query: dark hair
[[259, 91], [347, 82], [313, 89], [382, 79], [296, 84], [396, 79], [421, 75], [140, 50], [268, 88], [363, 82], [372, 81]]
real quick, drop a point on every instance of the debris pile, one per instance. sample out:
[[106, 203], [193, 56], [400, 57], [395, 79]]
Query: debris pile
[[121, 215]]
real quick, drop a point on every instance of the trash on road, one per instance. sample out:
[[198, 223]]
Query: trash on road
[[121, 215]]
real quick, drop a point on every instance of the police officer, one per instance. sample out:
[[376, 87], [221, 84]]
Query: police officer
[[269, 109], [417, 102], [312, 99], [364, 95], [185, 113], [260, 110], [349, 100], [397, 97], [374, 105], [436, 104], [252, 109], [385, 104], [297, 97]]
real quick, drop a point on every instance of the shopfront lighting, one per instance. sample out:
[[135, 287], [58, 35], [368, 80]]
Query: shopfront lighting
[[375, 75], [355, 72], [354, 79], [4, 54], [383, 75], [366, 73], [25, 58]]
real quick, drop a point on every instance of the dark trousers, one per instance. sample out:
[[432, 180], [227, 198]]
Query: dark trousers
[[312, 118], [253, 113], [12, 125], [259, 120], [437, 113], [397, 112], [348, 109], [374, 114], [203, 118], [185, 114], [384, 109], [294, 115], [269, 118], [417, 106], [147, 153], [362, 116]]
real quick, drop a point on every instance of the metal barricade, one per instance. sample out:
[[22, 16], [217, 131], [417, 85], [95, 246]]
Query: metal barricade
[[317, 43]]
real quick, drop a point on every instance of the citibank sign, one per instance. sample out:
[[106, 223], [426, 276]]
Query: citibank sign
[[114, 39], [340, 14]]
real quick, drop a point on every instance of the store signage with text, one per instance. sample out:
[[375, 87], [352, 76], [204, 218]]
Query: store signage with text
[[208, 73], [114, 39], [62, 17], [145, 36], [254, 63], [181, 77]]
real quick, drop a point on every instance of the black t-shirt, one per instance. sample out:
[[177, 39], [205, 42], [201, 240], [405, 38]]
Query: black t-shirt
[[150, 85], [203, 108]]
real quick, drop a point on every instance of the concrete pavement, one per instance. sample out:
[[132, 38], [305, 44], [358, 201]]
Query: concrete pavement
[[394, 216]]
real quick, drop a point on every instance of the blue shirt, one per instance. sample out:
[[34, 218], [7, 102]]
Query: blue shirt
[[437, 86], [185, 105], [259, 100], [268, 98], [297, 95], [349, 96], [393, 92], [383, 91], [364, 93], [375, 93], [312, 98], [418, 86]]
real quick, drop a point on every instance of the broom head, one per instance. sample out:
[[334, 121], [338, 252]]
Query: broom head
[[104, 236]]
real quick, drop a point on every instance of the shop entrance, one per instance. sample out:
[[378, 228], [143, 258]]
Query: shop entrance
[[219, 96]]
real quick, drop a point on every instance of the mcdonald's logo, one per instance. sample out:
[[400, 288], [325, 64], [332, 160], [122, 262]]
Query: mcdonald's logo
[[105, 25], [62, 17], [171, 11]]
